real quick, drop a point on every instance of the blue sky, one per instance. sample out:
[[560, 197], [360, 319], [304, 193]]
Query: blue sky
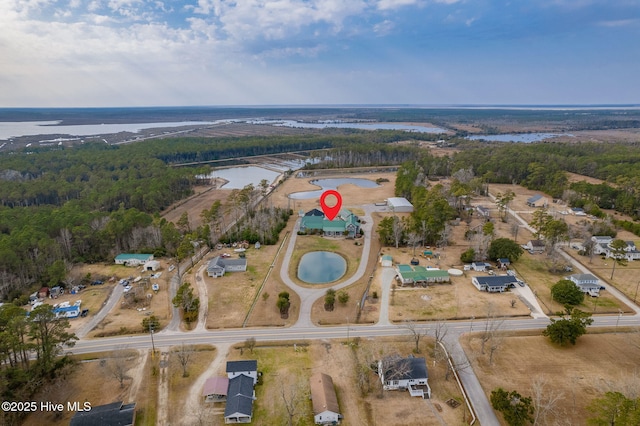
[[60, 53]]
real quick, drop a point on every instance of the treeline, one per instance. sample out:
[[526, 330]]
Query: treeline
[[366, 154], [263, 225], [543, 167]]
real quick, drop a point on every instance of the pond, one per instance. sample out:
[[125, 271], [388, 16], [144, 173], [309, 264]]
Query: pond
[[320, 267], [333, 183]]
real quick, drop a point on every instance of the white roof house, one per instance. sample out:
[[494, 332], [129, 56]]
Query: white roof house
[[399, 205]]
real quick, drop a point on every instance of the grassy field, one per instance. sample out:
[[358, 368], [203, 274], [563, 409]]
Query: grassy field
[[578, 374]]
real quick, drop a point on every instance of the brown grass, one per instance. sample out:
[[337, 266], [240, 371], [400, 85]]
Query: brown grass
[[596, 364]]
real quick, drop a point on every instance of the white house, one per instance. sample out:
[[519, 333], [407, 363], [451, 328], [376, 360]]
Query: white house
[[324, 400], [219, 265], [406, 373], [534, 246], [480, 266], [240, 397], [603, 246], [247, 367], [494, 283], [483, 211], [133, 259], [587, 283]]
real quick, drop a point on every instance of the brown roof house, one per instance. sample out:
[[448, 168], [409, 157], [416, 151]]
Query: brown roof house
[[325, 402]]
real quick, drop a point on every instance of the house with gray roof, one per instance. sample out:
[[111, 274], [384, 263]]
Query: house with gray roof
[[247, 367], [240, 396], [114, 414], [537, 201], [405, 373], [219, 265], [587, 283], [494, 283]]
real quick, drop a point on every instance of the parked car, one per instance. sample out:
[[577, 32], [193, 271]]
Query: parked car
[[84, 313], [97, 282]]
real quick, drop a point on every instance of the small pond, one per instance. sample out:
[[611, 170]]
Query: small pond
[[517, 137], [332, 183], [320, 267]]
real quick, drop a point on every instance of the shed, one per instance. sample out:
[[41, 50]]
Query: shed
[[215, 389], [152, 265], [399, 205], [386, 260]]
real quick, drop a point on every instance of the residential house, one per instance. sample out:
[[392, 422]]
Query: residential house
[[240, 396], [503, 263], [535, 246], [344, 224], [602, 246], [215, 389], [419, 275], [67, 311], [219, 265], [483, 211], [537, 201], [494, 283], [247, 368], [405, 373], [587, 283], [480, 266], [324, 400], [133, 259], [114, 414]]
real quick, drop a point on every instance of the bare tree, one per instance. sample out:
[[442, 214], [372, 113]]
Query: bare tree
[[185, 355], [491, 327], [440, 330], [250, 343], [392, 367], [416, 333], [398, 230], [118, 366], [546, 400], [294, 396]]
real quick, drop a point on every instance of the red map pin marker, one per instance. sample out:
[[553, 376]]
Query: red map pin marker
[[331, 211]]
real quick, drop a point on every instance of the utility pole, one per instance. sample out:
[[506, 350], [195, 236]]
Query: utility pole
[[153, 346]]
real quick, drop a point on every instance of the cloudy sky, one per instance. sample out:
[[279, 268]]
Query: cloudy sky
[[56, 53]]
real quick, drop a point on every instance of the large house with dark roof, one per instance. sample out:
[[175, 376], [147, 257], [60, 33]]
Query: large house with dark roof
[[240, 396], [243, 376], [406, 373], [494, 283], [345, 224], [114, 414]]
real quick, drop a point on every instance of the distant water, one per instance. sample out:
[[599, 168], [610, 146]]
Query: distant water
[[14, 129], [350, 125], [517, 137], [239, 177]]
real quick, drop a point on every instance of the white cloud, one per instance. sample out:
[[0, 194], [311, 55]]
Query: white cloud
[[384, 27], [620, 23], [395, 4]]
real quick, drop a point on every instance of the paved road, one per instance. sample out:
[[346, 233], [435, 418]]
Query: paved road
[[114, 297]]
